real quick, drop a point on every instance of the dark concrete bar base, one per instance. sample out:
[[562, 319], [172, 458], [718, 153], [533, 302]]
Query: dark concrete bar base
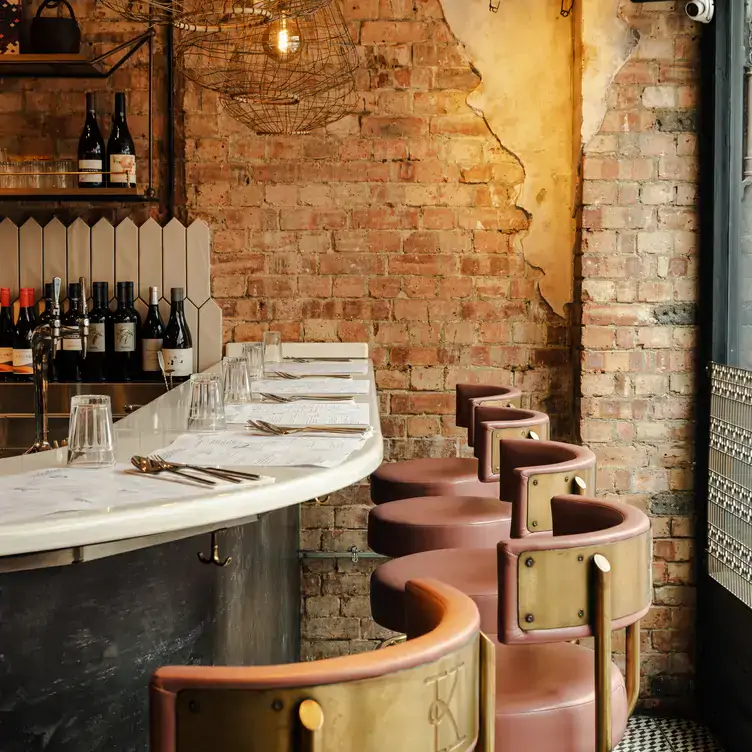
[[79, 643]]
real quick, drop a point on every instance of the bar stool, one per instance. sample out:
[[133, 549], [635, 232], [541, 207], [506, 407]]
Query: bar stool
[[443, 674], [446, 476], [410, 526], [552, 695], [531, 472]]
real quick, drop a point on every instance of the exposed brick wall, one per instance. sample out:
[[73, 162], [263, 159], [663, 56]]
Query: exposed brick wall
[[639, 292], [397, 227]]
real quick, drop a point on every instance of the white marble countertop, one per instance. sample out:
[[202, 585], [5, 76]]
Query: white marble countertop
[[153, 427]]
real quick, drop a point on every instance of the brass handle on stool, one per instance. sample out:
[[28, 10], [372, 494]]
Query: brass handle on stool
[[311, 717], [214, 558]]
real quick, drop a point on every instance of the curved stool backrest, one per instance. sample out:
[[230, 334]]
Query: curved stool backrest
[[370, 702], [469, 395], [531, 473], [491, 424], [558, 588]]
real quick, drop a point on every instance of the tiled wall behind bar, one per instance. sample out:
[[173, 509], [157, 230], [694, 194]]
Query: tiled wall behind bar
[[169, 256]]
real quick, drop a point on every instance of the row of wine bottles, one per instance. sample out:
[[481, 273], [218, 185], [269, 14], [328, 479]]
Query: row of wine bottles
[[119, 159], [119, 346]]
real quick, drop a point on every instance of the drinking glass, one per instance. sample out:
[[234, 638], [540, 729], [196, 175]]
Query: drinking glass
[[207, 410], [254, 355], [90, 440], [272, 349], [237, 384]]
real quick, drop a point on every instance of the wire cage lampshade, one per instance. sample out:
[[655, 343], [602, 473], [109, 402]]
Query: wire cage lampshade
[[296, 116], [208, 14], [289, 59]]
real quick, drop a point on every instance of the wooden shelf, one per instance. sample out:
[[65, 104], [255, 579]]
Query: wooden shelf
[[50, 66], [89, 195]]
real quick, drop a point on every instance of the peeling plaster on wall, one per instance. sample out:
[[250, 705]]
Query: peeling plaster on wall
[[524, 56], [607, 43]]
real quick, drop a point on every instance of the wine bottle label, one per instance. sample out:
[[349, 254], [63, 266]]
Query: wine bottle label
[[123, 169], [72, 343], [180, 362], [125, 337], [93, 169], [23, 361], [6, 360], [149, 350], [97, 338]]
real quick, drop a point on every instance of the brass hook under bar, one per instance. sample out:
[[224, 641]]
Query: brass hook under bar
[[215, 557]]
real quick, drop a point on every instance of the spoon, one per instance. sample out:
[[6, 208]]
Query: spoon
[[150, 467]]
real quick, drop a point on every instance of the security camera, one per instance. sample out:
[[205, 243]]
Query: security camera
[[701, 11]]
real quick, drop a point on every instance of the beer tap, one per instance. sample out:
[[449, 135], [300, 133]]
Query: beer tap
[[45, 342]]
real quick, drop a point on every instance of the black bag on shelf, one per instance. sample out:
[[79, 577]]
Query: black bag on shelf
[[55, 35]]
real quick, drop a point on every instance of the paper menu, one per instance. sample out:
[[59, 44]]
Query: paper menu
[[312, 386], [302, 413], [239, 450], [60, 490], [352, 367]]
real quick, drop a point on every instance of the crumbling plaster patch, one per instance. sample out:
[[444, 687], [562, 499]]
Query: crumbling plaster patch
[[525, 54]]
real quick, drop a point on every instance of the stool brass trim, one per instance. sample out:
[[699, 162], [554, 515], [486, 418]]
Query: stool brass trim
[[555, 590], [602, 630], [432, 706], [311, 716], [542, 487]]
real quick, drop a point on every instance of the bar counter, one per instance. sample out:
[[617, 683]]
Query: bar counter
[[91, 603]]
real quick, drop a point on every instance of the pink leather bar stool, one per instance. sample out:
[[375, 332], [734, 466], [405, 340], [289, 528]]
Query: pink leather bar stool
[[411, 526], [553, 695], [368, 702], [445, 476], [532, 473]]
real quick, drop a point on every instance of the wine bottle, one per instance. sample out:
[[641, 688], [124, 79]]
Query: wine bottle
[[45, 317], [23, 360], [91, 152], [152, 336], [177, 347], [70, 355], [126, 325], [6, 335], [100, 334], [121, 152]]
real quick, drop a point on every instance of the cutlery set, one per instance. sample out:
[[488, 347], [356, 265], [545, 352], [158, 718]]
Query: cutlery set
[[155, 464]]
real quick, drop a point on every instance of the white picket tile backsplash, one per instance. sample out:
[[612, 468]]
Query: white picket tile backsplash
[[170, 256]]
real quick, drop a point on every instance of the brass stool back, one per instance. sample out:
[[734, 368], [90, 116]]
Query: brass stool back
[[435, 691]]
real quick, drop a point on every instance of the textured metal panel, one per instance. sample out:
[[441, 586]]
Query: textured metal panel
[[730, 481], [79, 642]]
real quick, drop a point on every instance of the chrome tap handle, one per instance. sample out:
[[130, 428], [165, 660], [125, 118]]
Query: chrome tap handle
[[55, 333], [83, 321]]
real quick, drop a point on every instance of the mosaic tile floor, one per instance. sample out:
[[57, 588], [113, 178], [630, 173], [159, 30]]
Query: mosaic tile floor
[[646, 734]]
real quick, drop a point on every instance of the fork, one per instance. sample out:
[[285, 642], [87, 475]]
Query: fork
[[296, 377], [270, 428], [307, 398], [234, 476]]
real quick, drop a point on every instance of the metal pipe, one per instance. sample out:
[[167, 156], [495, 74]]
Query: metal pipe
[[352, 553], [150, 188], [633, 666], [602, 631], [487, 730], [747, 168], [170, 122]]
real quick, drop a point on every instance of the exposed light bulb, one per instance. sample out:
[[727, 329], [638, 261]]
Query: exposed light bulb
[[283, 38]]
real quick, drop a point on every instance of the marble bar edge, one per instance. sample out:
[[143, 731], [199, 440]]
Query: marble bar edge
[[77, 537]]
